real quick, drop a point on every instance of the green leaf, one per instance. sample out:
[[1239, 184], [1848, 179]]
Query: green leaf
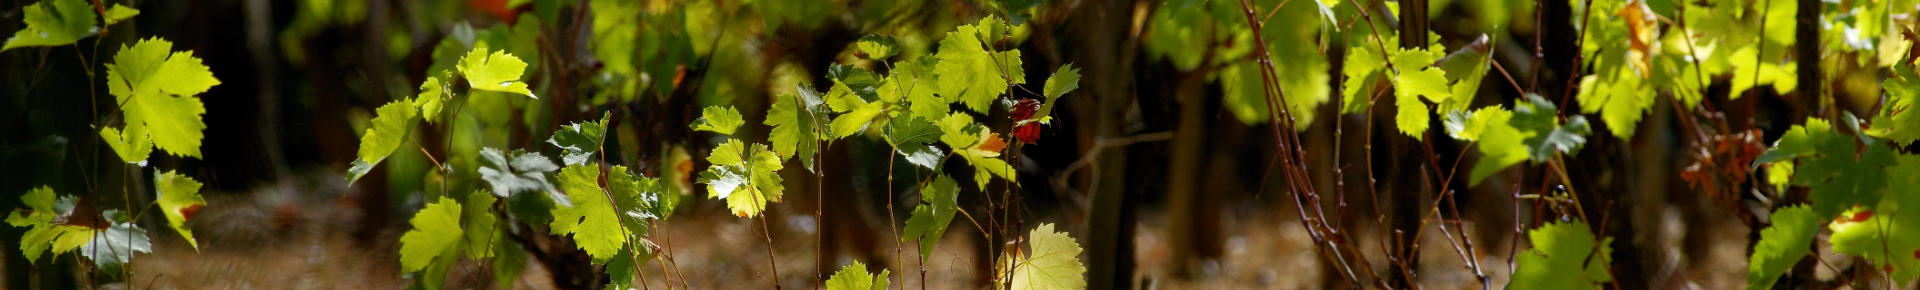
[[155, 86], [796, 131], [1417, 78], [591, 220], [1749, 71], [389, 128], [851, 80], [1064, 80], [976, 145], [1829, 165], [132, 146], [938, 202], [1886, 233], [910, 135], [879, 47], [1362, 68], [113, 247], [436, 233], [1053, 262], [480, 224], [179, 198], [914, 80], [433, 97], [1898, 118], [855, 277], [1555, 262], [856, 115], [745, 175], [1469, 127], [119, 13], [959, 131], [499, 72], [54, 23], [1781, 245], [1531, 133], [972, 74], [527, 171], [580, 140], [719, 119], [42, 233]]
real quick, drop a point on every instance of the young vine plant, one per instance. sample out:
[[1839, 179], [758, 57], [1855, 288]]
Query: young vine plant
[[609, 210], [156, 90]]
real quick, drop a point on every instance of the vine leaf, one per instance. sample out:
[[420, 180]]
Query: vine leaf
[[718, 119], [856, 113], [972, 74], [745, 175], [796, 131], [525, 172], [1026, 125], [155, 87], [1828, 164], [499, 72], [478, 220], [436, 233], [914, 79], [1886, 233], [1560, 249], [389, 128], [131, 145], [1749, 72], [878, 47], [977, 145], [1053, 262], [1418, 78], [1065, 79], [433, 97], [43, 233], [119, 13], [1898, 119], [1362, 69], [1781, 245], [54, 23], [179, 199], [855, 277], [580, 140], [114, 246], [1530, 132], [910, 135], [591, 220], [1470, 127], [938, 202]]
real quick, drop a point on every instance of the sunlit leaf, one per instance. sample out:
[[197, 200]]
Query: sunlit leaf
[[436, 233], [1781, 245], [1052, 263], [156, 86], [54, 23], [855, 277], [388, 129], [1563, 257], [498, 72], [179, 199], [718, 119]]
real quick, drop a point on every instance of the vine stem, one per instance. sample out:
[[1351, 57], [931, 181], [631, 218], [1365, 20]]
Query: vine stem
[[901, 263], [772, 261]]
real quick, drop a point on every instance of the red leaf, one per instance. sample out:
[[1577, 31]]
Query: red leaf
[[1024, 109], [1025, 128], [1028, 133]]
